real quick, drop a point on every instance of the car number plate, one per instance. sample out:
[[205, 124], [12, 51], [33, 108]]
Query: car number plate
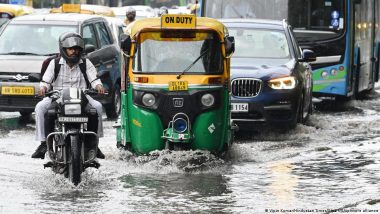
[[73, 119], [19, 90], [178, 86], [239, 107]]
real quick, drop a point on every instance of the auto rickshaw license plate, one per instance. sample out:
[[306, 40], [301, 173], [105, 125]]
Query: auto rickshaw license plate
[[178, 86], [19, 90]]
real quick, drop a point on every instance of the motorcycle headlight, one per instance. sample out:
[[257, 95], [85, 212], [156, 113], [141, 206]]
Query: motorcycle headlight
[[208, 100], [73, 109], [148, 99], [283, 83]]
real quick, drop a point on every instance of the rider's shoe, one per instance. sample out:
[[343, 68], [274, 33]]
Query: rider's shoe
[[100, 154], [40, 151]]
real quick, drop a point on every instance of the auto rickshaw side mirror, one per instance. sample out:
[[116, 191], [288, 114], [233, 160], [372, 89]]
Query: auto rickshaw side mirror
[[308, 56], [125, 43], [88, 48], [229, 43], [35, 77]]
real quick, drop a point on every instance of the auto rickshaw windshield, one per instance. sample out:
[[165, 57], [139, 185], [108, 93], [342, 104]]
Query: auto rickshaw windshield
[[199, 55]]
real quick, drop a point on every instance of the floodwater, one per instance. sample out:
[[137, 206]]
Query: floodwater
[[329, 165]]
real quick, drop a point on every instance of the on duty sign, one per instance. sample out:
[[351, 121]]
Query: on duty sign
[[183, 21]]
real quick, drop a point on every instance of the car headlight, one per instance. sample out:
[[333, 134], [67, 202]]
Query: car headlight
[[283, 83], [208, 100], [148, 99], [73, 109]]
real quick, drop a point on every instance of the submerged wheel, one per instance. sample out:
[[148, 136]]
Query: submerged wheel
[[75, 166], [298, 115], [309, 110]]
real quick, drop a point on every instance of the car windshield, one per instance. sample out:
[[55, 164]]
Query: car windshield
[[32, 39], [259, 43], [163, 55]]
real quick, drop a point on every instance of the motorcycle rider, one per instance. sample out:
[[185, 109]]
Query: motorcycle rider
[[71, 46]]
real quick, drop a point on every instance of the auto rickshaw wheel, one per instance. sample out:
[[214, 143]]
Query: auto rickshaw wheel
[[177, 146]]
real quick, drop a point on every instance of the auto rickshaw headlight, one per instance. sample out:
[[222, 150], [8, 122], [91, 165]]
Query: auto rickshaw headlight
[[148, 99], [208, 100], [180, 125]]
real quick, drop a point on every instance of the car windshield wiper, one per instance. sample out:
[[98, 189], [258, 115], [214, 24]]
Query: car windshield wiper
[[20, 53], [192, 64]]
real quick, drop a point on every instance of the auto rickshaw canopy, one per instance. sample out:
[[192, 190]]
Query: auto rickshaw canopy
[[15, 10], [155, 24]]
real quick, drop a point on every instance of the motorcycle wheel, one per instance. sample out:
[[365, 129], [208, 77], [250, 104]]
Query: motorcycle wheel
[[75, 166]]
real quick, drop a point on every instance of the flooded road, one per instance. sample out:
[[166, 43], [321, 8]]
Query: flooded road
[[329, 165]]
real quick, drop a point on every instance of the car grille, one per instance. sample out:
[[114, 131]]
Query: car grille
[[246, 87], [12, 77]]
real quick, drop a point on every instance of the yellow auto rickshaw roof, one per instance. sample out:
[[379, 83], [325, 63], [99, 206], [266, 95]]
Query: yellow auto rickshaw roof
[[15, 10], [89, 9], [202, 23]]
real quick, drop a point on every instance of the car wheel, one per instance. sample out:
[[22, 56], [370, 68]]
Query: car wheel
[[301, 109], [113, 108], [309, 111]]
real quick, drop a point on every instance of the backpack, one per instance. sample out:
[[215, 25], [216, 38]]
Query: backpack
[[57, 67]]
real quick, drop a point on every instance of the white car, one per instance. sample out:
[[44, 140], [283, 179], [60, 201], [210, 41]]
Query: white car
[[117, 27]]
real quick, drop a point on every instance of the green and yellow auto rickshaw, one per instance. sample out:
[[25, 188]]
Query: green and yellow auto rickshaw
[[175, 86]]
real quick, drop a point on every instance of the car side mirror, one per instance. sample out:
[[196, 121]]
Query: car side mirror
[[88, 48], [308, 56], [35, 77], [229, 43], [125, 43]]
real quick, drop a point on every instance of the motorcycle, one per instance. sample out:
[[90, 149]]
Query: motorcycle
[[72, 147]]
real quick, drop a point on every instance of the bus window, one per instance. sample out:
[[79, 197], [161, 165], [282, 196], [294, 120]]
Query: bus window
[[319, 15], [268, 9], [377, 25]]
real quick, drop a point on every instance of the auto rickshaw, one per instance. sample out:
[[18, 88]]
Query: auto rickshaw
[[9, 11], [175, 86]]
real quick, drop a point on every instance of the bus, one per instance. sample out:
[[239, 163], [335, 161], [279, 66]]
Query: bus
[[344, 34]]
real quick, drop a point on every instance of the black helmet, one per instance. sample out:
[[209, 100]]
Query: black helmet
[[70, 40], [131, 13], [163, 10]]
